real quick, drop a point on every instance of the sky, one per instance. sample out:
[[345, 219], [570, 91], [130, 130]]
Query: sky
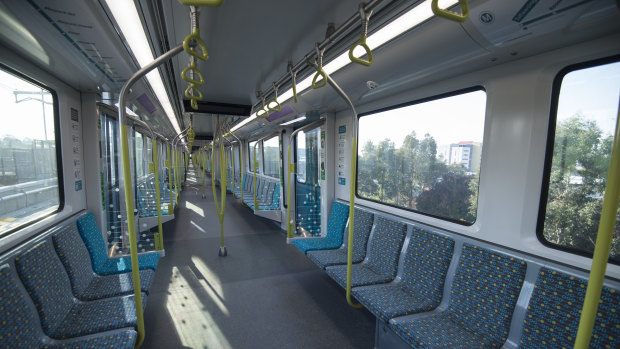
[[24, 119], [448, 120]]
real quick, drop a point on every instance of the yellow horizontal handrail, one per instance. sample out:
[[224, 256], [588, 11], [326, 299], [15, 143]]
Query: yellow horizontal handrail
[[453, 16], [212, 3]]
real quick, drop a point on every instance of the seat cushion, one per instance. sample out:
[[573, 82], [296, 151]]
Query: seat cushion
[[387, 301], [123, 264], [105, 286], [98, 316], [326, 258], [119, 340], [361, 274]]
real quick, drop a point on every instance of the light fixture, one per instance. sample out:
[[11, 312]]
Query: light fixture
[[127, 18], [293, 121]]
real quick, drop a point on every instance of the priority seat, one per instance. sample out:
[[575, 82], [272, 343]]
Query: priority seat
[[335, 231], [101, 263], [483, 296], [420, 288], [381, 262], [21, 329], [361, 232], [85, 283], [62, 316], [554, 311]]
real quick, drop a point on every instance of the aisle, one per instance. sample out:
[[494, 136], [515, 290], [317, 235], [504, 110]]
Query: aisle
[[264, 294]]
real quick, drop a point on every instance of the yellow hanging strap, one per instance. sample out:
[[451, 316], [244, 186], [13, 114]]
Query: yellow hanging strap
[[453, 16], [319, 69], [362, 41], [131, 231], [188, 45], [265, 111], [212, 3], [277, 106], [604, 238], [293, 79], [193, 40], [159, 240]]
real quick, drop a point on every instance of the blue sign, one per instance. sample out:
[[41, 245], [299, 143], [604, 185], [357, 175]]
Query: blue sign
[[78, 185], [342, 181], [342, 129]]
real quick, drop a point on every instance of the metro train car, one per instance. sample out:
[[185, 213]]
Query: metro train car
[[310, 174]]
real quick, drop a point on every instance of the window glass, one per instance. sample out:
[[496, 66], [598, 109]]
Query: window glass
[[300, 154], [110, 154], [29, 183], [139, 151], [425, 156], [251, 156], [581, 134], [271, 157]]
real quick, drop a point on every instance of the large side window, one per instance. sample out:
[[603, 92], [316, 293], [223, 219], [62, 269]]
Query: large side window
[[251, 156], [579, 144], [425, 156], [30, 178], [271, 157]]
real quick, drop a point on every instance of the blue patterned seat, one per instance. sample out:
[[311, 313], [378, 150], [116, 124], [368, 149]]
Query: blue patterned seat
[[85, 283], [61, 316], [335, 230], [555, 309], [361, 231], [20, 325], [425, 266], [484, 292], [382, 260], [102, 264]]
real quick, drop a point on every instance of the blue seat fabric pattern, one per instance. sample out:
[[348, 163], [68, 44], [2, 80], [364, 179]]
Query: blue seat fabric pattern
[[484, 292], [101, 263], [86, 285], [48, 285], [425, 267], [361, 231], [554, 311], [382, 259], [335, 230]]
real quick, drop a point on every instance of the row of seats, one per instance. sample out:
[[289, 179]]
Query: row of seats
[[146, 195], [62, 290], [430, 289], [267, 192]]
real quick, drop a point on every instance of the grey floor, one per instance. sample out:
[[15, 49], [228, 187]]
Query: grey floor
[[264, 294]]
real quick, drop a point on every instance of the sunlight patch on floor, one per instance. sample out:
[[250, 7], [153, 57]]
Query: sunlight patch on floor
[[199, 211], [197, 226], [194, 325], [211, 283]]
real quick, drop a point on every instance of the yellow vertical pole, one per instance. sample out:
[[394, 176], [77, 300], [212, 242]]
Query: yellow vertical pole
[[169, 164], [176, 176], [159, 240], [291, 171], [131, 231], [603, 245], [351, 222], [255, 167]]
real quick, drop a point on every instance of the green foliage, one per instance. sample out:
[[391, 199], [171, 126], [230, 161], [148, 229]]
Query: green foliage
[[412, 177], [581, 156]]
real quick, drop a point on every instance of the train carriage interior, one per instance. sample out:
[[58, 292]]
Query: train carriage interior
[[310, 174]]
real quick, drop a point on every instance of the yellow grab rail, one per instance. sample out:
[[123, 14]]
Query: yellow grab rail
[[159, 240], [212, 3], [195, 35], [453, 16], [223, 181], [362, 41], [169, 165], [602, 248]]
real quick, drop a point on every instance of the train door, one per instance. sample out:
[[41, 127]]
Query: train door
[[307, 184]]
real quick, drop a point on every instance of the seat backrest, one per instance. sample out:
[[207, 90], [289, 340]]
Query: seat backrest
[[554, 311], [361, 232], [336, 223], [19, 324], [47, 283], [385, 245], [91, 235], [74, 256], [484, 292], [426, 264], [267, 193]]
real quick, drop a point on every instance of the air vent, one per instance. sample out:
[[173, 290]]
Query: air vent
[[218, 108]]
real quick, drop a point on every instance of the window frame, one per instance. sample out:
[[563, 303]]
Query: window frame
[[58, 145], [407, 104], [551, 129]]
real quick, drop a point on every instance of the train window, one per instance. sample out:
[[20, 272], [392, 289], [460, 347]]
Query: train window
[[425, 156], [30, 178], [139, 158], [581, 129], [271, 157], [251, 156]]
